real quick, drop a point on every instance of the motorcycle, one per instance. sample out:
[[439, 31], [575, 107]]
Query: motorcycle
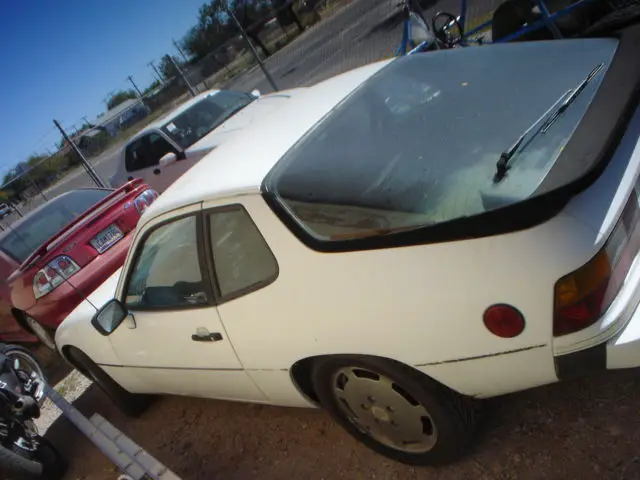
[[23, 452]]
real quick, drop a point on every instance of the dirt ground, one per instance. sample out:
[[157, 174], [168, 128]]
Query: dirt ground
[[583, 429]]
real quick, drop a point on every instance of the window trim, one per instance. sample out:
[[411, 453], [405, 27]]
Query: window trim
[[220, 298], [204, 268]]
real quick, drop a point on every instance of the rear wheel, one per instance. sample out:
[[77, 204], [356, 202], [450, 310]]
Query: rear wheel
[[130, 404], [26, 363], [394, 409], [46, 335], [45, 463]]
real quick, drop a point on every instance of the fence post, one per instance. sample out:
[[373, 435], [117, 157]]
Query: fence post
[[93, 175], [253, 49], [184, 77]]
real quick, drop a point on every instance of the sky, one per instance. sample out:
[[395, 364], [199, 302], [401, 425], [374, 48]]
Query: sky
[[61, 58]]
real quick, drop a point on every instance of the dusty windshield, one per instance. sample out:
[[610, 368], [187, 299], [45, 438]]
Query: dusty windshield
[[417, 144], [27, 235], [201, 118]]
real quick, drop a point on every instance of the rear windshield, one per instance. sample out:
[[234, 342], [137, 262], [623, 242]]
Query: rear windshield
[[417, 144], [25, 236]]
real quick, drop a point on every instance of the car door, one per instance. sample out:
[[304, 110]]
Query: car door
[[142, 160], [179, 345]]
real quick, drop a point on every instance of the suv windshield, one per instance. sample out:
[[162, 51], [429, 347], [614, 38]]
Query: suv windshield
[[201, 118], [26, 235], [417, 143]]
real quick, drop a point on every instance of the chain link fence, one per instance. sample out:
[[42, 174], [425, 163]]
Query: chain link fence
[[299, 42]]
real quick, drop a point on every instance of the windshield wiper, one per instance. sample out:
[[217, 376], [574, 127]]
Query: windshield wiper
[[565, 100], [574, 94]]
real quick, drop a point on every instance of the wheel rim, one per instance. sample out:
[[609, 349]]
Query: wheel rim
[[43, 335], [380, 408], [29, 365]]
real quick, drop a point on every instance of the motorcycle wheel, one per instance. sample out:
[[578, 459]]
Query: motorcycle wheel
[[46, 463]]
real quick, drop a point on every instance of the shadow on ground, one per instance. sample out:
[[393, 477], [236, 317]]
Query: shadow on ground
[[586, 428]]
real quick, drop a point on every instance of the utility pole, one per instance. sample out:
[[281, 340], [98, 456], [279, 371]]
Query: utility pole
[[135, 86], [253, 49], [186, 81], [152, 65], [175, 44], [93, 175]]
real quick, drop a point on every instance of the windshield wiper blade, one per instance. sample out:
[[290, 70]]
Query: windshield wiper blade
[[566, 99], [574, 94], [503, 162]]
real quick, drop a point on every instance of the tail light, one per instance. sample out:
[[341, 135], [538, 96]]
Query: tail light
[[145, 199], [53, 274], [582, 296]]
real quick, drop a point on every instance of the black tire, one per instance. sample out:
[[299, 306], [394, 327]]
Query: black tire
[[132, 405], [47, 463], [453, 416]]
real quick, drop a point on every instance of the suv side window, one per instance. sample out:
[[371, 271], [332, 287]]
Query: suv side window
[[158, 148], [242, 259], [146, 152], [167, 271]]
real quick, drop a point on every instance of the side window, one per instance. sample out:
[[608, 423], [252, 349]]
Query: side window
[[135, 157], [146, 152], [242, 260], [167, 272], [158, 147]]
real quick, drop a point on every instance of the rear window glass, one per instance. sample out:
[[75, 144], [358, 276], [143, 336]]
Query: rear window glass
[[35, 228], [417, 144]]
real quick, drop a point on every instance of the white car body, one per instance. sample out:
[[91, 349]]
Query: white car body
[[419, 305], [160, 175]]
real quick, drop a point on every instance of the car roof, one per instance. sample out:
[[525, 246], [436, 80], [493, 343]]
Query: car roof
[[239, 166]]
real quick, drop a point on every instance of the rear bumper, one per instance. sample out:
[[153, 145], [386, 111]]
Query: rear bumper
[[621, 351], [53, 308]]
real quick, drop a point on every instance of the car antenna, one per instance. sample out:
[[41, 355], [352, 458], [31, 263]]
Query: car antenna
[[65, 279]]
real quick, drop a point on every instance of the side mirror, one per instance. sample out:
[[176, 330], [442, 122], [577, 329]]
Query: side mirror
[[168, 159], [109, 317], [256, 93]]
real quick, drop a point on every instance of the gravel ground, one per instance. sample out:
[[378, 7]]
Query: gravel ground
[[587, 428]]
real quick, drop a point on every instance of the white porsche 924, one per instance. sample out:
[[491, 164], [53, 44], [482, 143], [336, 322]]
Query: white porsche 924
[[394, 244]]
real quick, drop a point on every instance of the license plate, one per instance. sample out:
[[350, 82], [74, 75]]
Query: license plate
[[106, 238]]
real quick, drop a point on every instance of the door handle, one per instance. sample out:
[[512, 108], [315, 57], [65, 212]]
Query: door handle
[[206, 337], [156, 171]]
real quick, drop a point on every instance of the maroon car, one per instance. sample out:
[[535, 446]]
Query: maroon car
[[59, 253]]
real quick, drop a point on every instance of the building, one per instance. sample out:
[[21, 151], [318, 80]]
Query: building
[[121, 116]]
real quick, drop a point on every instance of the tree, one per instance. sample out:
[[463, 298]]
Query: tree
[[215, 27], [120, 96], [285, 14], [155, 84], [167, 68]]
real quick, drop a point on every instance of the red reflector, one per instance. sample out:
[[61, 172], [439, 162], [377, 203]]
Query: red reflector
[[503, 320]]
